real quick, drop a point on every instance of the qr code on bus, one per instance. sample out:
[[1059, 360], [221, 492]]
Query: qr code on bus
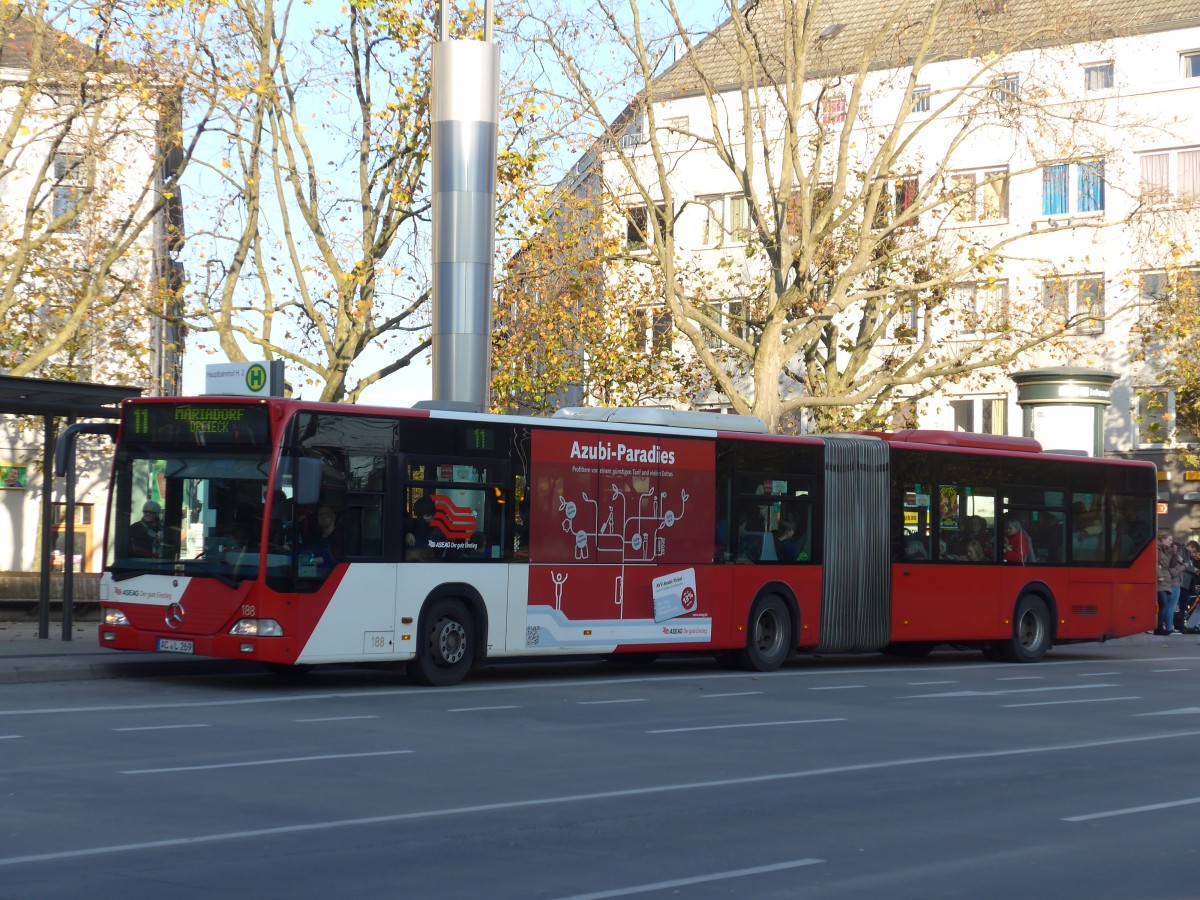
[[533, 635]]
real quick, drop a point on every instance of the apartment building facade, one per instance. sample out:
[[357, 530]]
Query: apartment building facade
[[1070, 159]]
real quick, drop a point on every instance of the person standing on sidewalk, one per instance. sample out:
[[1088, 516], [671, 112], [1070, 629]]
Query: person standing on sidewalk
[[1166, 612], [1181, 580]]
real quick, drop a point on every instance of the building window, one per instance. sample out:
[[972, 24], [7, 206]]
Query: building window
[[739, 220], [1062, 194], [729, 315], [794, 215], [673, 131], [639, 233], [1188, 175], [920, 99], [1098, 77], [1006, 89], [712, 229], [1191, 64], [1159, 292], [68, 186], [981, 415], [1076, 301], [1089, 304], [983, 306], [1157, 184], [907, 190], [1091, 186], [1155, 180], [736, 317], [833, 109], [980, 196], [908, 319], [725, 219], [81, 551]]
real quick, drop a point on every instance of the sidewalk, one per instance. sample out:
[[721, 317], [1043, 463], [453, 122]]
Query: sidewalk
[[25, 658]]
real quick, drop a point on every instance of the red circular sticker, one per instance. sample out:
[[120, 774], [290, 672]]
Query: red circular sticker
[[689, 599]]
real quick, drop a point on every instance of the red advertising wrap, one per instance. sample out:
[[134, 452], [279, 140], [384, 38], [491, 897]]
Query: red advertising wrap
[[620, 523]]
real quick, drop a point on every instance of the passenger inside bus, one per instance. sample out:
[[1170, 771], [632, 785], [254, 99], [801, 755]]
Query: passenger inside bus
[[1018, 548], [149, 538], [145, 534], [321, 546], [420, 528], [786, 548], [752, 538]]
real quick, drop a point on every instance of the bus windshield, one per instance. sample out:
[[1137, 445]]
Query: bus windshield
[[189, 512]]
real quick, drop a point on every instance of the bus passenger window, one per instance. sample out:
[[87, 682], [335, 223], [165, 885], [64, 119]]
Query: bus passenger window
[[1132, 528], [917, 520], [1087, 527]]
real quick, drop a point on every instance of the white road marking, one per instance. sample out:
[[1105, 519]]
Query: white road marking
[[620, 794], [1065, 702], [838, 687], [734, 694], [1184, 711], [479, 708], [10, 737], [604, 702], [743, 725], [336, 719], [921, 683], [1132, 810], [1164, 671], [695, 879], [1022, 678], [1096, 674], [1001, 693], [160, 727], [263, 762]]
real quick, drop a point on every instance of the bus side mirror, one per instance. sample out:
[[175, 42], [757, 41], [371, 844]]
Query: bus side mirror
[[307, 482]]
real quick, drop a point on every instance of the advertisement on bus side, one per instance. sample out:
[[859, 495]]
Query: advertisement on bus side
[[619, 524]]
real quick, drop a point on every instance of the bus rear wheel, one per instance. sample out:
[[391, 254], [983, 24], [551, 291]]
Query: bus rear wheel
[[447, 645], [768, 636], [1031, 631]]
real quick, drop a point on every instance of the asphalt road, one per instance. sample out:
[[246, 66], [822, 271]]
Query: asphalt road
[[848, 777]]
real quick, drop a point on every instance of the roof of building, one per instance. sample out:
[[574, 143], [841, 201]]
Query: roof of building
[[18, 35], [844, 31]]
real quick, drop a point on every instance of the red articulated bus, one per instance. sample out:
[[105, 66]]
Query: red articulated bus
[[298, 533]]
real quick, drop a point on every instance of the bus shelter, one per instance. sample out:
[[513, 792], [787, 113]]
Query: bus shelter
[[51, 401]]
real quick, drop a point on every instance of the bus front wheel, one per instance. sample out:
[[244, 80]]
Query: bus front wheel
[[1031, 631], [447, 645], [768, 636]]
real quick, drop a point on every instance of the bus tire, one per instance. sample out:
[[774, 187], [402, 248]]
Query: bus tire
[[1031, 631], [446, 648], [768, 636]]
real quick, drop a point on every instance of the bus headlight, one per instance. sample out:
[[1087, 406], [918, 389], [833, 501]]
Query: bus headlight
[[109, 616], [257, 628]]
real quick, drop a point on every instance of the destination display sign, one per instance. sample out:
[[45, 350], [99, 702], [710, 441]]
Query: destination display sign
[[197, 423]]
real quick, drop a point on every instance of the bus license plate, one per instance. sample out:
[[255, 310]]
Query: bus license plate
[[166, 645]]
